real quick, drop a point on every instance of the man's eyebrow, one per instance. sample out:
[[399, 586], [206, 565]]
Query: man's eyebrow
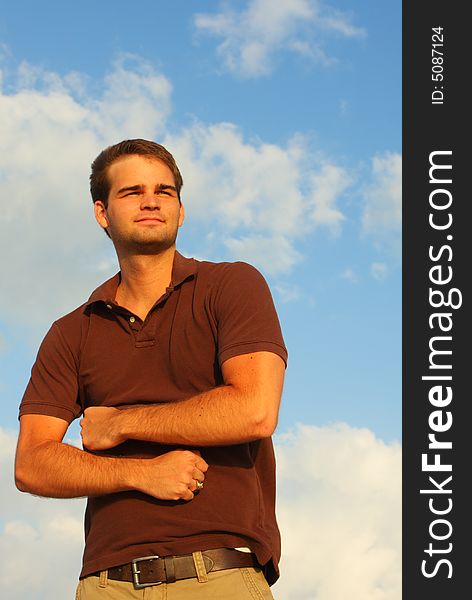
[[164, 186], [137, 188], [131, 188]]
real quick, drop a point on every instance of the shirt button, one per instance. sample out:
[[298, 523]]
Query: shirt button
[[132, 319]]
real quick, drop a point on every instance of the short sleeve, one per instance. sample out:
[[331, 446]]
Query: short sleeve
[[53, 387], [246, 317]]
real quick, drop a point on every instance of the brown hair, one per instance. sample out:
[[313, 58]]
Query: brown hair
[[99, 184]]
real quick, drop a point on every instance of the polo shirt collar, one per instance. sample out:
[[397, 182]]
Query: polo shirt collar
[[182, 269]]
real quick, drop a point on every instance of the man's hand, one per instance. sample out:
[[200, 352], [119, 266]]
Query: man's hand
[[171, 476], [242, 410], [100, 428], [45, 466]]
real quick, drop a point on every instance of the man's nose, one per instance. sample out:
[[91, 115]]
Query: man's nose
[[151, 201]]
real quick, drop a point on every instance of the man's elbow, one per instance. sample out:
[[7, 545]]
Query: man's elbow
[[265, 424], [26, 476], [28, 482], [22, 480], [265, 430]]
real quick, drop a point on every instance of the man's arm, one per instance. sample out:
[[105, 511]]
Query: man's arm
[[244, 409], [45, 466]]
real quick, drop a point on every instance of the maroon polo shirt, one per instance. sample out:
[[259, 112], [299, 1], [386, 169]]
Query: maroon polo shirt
[[103, 355]]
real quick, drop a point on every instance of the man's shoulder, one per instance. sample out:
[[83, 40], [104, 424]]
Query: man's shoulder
[[224, 269], [69, 327], [230, 280]]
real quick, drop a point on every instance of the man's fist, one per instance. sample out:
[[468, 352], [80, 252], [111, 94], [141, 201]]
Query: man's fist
[[171, 476], [100, 428]]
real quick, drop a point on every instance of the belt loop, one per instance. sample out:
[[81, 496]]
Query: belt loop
[[103, 578], [169, 567], [200, 567]]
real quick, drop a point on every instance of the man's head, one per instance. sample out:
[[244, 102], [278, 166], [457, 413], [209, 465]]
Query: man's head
[[135, 187], [99, 182]]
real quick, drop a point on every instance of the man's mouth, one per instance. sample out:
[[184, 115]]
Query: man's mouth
[[150, 220]]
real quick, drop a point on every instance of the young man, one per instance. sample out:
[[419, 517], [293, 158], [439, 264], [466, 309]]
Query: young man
[[177, 366]]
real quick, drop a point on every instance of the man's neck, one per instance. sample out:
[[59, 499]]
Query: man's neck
[[144, 279]]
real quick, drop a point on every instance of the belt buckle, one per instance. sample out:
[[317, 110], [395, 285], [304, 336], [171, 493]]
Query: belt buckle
[[135, 571]]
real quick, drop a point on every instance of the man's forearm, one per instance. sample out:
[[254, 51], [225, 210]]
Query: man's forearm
[[218, 417], [242, 410], [221, 416], [57, 470]]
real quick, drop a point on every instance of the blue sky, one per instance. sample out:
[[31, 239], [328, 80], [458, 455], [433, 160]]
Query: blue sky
[[285, 119], [340, 314]]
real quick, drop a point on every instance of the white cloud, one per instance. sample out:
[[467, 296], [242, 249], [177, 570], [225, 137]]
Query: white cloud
[[339, 498], [275, 255], [349, 275], [339, 507], [382, 214], [328, 184], [340, 22], [249, 193], [136, 99], [266, 197], [344, 107], [287, 292], [379, 271], [255, 35], [247, 185], [51, 250], [47, 535]]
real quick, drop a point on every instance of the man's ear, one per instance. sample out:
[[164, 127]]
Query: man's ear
[[100, 213], [181, 215]]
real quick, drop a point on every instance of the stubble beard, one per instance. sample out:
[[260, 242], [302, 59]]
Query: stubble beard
[[146, 243]]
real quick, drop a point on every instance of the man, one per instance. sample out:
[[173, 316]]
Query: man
[[177, 366]]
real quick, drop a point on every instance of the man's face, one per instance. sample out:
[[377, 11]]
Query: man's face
[[143, 212]]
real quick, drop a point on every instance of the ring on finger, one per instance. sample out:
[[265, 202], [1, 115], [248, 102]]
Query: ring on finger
[[199, 484]]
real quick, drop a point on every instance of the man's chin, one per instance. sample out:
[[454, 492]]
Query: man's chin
[[149, 246]]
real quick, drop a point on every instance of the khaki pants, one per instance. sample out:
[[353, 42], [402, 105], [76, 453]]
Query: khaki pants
[[230, 584]]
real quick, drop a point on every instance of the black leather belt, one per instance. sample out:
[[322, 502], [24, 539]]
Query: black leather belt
[[153, 570]]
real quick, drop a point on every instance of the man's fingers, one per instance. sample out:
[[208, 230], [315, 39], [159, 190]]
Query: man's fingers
[[194, 487], [201, 464], [199, 475], [188, 495]]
